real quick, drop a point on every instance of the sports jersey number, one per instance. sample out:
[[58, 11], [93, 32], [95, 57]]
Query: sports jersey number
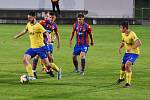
[[80, 33], [85, 49]]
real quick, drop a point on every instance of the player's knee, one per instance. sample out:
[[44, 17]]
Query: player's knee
[[25, 61], [47, 64], [82, 55], [128, 66]]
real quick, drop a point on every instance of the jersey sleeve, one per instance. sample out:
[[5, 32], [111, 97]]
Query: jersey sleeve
[[42, 22], [134, 37]]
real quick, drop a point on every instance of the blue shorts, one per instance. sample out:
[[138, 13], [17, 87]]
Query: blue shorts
[[41, 52], [49, 47], [80, 48], [129, 57]]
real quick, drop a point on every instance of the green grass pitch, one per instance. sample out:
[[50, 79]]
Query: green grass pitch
[[102, 68]]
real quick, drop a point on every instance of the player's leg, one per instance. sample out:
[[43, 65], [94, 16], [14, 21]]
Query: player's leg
[[26, 60], [122, 74], [76, 52], [44, 57], [54, 66], [75, 62], [34, 65], [122, 71], [128, 72], [48, 66], [84, 50], [128, 68], [82, 56], [47, 49]]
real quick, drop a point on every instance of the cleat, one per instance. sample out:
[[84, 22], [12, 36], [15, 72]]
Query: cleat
[[59, 74], [35, 75], [51, 73], [31, 78], [127, 85], [75, 71], [82, 73], [120, 80]]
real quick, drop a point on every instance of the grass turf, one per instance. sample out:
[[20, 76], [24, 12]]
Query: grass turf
[[102, 68]]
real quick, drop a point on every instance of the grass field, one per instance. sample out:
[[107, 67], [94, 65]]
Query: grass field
[[102, 68]]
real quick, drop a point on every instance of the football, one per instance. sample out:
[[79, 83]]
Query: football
[[24, 79]]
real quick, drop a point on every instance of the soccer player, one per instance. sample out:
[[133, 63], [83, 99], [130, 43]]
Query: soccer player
[[131, 43], [82, 31], [36, 32], [49, 24]]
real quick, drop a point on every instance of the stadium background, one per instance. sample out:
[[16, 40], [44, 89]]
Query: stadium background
[[97, 12]]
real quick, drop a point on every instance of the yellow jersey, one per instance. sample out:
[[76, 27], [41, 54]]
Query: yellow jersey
[[129, 40], [35, 34]]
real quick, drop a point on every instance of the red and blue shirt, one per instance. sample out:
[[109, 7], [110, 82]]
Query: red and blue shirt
[[49, 26], [82, 33]]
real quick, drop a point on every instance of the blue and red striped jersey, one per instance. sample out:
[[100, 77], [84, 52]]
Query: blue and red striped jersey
[[82, 33]]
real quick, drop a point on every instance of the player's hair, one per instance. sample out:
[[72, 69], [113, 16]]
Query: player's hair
[[46, 12], [52, 14], [32, 13], [124, 24], [80, 15]]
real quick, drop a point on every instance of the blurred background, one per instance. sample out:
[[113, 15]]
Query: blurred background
[[96, 11]]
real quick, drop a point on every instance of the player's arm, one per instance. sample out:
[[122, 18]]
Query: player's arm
[[72, 35], [90, 34], [137, 43], [57, 36], [24, 31], [120, 47]]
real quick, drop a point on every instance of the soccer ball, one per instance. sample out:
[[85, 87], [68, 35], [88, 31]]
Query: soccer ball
[[24, 79]]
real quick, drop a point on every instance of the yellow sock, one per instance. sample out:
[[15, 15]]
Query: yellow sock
[[54, 67], [128, 77], [29, 70], [122, 74]]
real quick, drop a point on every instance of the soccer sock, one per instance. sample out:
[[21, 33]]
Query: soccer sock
[[82, 65], [29, 70], [128, 77], [42, 64], [75, 62], [122, 74], [34, 64], [54, 67]]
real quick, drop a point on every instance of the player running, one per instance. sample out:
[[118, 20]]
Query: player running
[[131, 43], [82, 31], [49, 24], [36, 32]]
